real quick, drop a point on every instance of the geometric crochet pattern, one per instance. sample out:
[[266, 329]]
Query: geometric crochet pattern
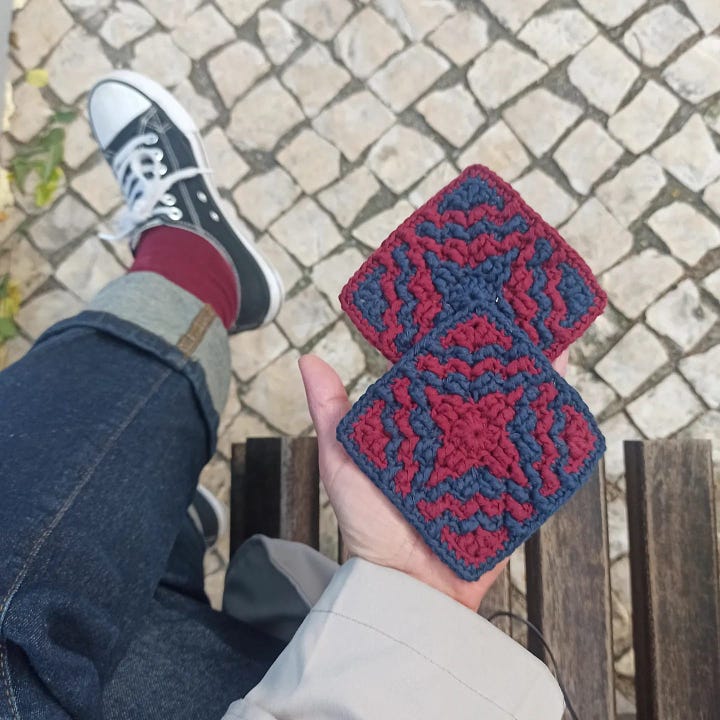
[[476, 238], [474, 437]]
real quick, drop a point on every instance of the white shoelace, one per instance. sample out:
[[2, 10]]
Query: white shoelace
[[145, 184]]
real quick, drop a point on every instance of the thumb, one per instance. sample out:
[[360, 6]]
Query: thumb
[[328, 404]]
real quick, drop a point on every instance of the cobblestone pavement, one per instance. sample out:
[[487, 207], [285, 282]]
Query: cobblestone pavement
[[327, 121]]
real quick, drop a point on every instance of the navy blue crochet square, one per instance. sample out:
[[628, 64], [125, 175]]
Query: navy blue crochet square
[[474, 438], [476, 231]]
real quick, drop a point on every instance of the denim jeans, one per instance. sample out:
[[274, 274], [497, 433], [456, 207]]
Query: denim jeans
[[105, 426]]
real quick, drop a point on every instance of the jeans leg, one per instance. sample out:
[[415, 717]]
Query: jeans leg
[[184, 572], [104, 428]]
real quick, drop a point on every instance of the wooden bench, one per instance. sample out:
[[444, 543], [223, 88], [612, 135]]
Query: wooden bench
[[673, 561]]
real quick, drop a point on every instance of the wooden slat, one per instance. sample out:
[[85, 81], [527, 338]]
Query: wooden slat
[[568, 597], [238, 532], [276, 490], [498, 599], [674, 574]]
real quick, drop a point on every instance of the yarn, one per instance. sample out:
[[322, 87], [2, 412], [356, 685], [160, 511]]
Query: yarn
[[477, 230], [475, 439], [472, 435]]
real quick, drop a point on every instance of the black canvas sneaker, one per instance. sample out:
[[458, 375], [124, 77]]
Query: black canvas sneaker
[[157, 156]]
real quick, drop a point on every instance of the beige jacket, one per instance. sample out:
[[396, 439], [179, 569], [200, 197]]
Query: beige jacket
[[379, 644]]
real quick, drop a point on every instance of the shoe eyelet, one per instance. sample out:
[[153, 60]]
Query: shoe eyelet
[[214, 216], [169, 199], [201, 196], [152, 138], [159, 155], [162, 169], [175, 214]]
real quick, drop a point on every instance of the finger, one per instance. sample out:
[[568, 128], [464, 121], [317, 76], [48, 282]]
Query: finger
[[561, 362], [328, 403]]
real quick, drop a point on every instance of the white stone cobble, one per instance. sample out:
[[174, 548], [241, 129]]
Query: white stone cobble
[[366, 42], [634, 283], [499, 149], [682, 316], [586, 155], [307, 232], [654, 36], [407, 75], [639, 123], [557, 116], [603, 74], [665, 408], [691, 155], [696, 74], [263, 116], [305, 315], [688, 233], [347, 197], [461, 37], [637, 355], [315, 79], [321, 18], [597, 236], [362, 111], [311, 160], [278, 36], [569, 28], [501, 72]]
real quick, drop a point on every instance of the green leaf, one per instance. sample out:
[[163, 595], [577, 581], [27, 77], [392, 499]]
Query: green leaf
[[21, 169], [54, 144], [43, 194], [8, 329], [64, 116]]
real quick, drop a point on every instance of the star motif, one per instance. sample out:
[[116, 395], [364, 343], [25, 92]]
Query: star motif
[[474, 434]]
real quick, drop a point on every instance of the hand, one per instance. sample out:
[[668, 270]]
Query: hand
[[372, 528]]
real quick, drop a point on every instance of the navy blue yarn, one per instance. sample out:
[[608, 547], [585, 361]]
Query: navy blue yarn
[[455, 231], [577, 294], [543, 252], [370, 299], [477, 479], [470, 193], [405, 316]]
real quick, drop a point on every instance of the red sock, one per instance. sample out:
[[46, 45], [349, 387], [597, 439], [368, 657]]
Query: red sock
[[191, 262]]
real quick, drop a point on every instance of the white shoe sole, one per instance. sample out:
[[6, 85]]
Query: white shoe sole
[[182, 119], [220, 510]]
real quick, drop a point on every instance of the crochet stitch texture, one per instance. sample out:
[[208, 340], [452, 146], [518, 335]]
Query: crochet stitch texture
[[477, 228], [472, 434], [475, 439]]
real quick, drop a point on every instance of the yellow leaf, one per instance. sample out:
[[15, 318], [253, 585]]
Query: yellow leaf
[[37, 78], [6, 196], [10, 304]]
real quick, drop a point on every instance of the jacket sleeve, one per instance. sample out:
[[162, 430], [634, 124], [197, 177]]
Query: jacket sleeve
[[380, 644]]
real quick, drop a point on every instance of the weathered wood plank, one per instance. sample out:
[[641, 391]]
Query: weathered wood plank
[[568, 597], [275, 490], [674, 574], [238, 532]]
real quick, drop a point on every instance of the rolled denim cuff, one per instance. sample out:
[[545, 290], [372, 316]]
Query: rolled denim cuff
[[179, 318]]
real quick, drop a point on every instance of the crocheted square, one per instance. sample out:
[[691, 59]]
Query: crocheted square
[[474, 438], [476, 229]]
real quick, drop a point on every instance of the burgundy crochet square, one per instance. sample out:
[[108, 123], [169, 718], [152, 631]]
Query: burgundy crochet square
[[474, 438], [477, 227]]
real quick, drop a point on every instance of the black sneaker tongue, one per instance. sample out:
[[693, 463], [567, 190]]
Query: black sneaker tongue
[[172, 142]]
